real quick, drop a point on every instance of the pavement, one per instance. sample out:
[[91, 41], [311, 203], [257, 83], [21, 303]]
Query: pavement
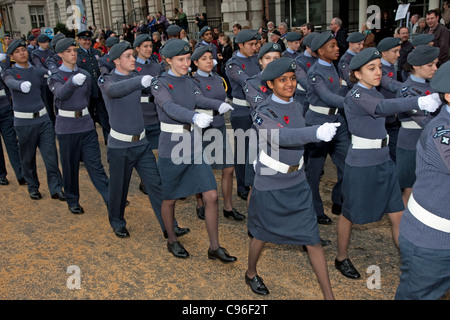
[[47, 253]]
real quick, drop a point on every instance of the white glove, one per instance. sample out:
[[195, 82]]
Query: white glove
[[202, 120], [429, 103], [224, 107], [2, 56], [25, 86], [79, 79], [327, 131], [146, 81]]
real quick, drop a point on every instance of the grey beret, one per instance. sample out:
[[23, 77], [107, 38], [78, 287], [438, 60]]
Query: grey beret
[[14, 45], [269, 47], [440, 82], [277, 68], [422, 55], [56, 38], [293, 36], [175, 47], [321, 39], [422, 39], [355, 37], [112, 41], [388, 43], [63, 44], [309, 39], [43, 38], [364, 57], [140, 39], [119, 48], [204, 29], [173, 29], [31, 37], [246, 35], [200, 51]]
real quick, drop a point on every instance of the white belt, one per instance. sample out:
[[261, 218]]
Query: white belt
[[277, 165], [145, 99], [2, 93], [175, 128], [299, 87], [240, 102], [324, 110], [410, 125], [30, 115], [126, 137], [73, 114], [364, 143], [428, 218], [208, 112]]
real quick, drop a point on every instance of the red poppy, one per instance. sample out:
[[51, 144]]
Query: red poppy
[[308, 64], [243, 66], [18, 76], [263, 88], [427, 92], [84, 60], [65, 78], [286, 119], [331, 79], [390, 74], [208, 87], [60, 62], [138, 69], [43, 59], [107, 59], [170, 86]]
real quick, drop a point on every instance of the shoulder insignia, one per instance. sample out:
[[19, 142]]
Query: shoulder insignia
[[445, 140], [257, 97], [440, 132], [355, 93], [101, 79]]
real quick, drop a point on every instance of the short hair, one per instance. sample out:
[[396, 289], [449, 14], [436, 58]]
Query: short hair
[[284, 25], [337, 21], [436, 13], [237, 26], [225, 37], [308, 26]]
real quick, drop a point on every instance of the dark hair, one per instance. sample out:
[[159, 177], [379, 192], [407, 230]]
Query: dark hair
[[442, 97], [352, 76], [238, 26], [407, 67], [436, 13]]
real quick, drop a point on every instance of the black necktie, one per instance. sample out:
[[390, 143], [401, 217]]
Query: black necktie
[[146, 61]]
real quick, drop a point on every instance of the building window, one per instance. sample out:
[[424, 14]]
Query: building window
[[37, 16], [163, 7], [57, 13]]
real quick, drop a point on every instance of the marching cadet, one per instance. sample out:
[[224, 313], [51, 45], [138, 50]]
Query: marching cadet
[[281, 209], [423, 39], [54, 61], [128, 147], [176, 97], [425, 225], [390, 51], [422, 64], [243, 64], [304, 61], [74, 126], [213, 86], [294, 41], [370, 185], [326, 99], [87, 59], [32, 44], [31, 122], [355, 45], [8, 134], [104, 63], [38, 58], [173, 31]]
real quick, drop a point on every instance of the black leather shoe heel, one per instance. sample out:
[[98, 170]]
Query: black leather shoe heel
[[221, 254]]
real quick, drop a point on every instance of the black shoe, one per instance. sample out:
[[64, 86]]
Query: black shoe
[[76, 209], [177, 250], [60, 195], [221, 254], [178, 232], [324, 220], [256, 284], [346, 268], [336, 209], [127, 203], [35, 195], [4, 181], [201, 212], [142, 188], [242, 195], [22, 181], [122, 232], [233, 214]]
